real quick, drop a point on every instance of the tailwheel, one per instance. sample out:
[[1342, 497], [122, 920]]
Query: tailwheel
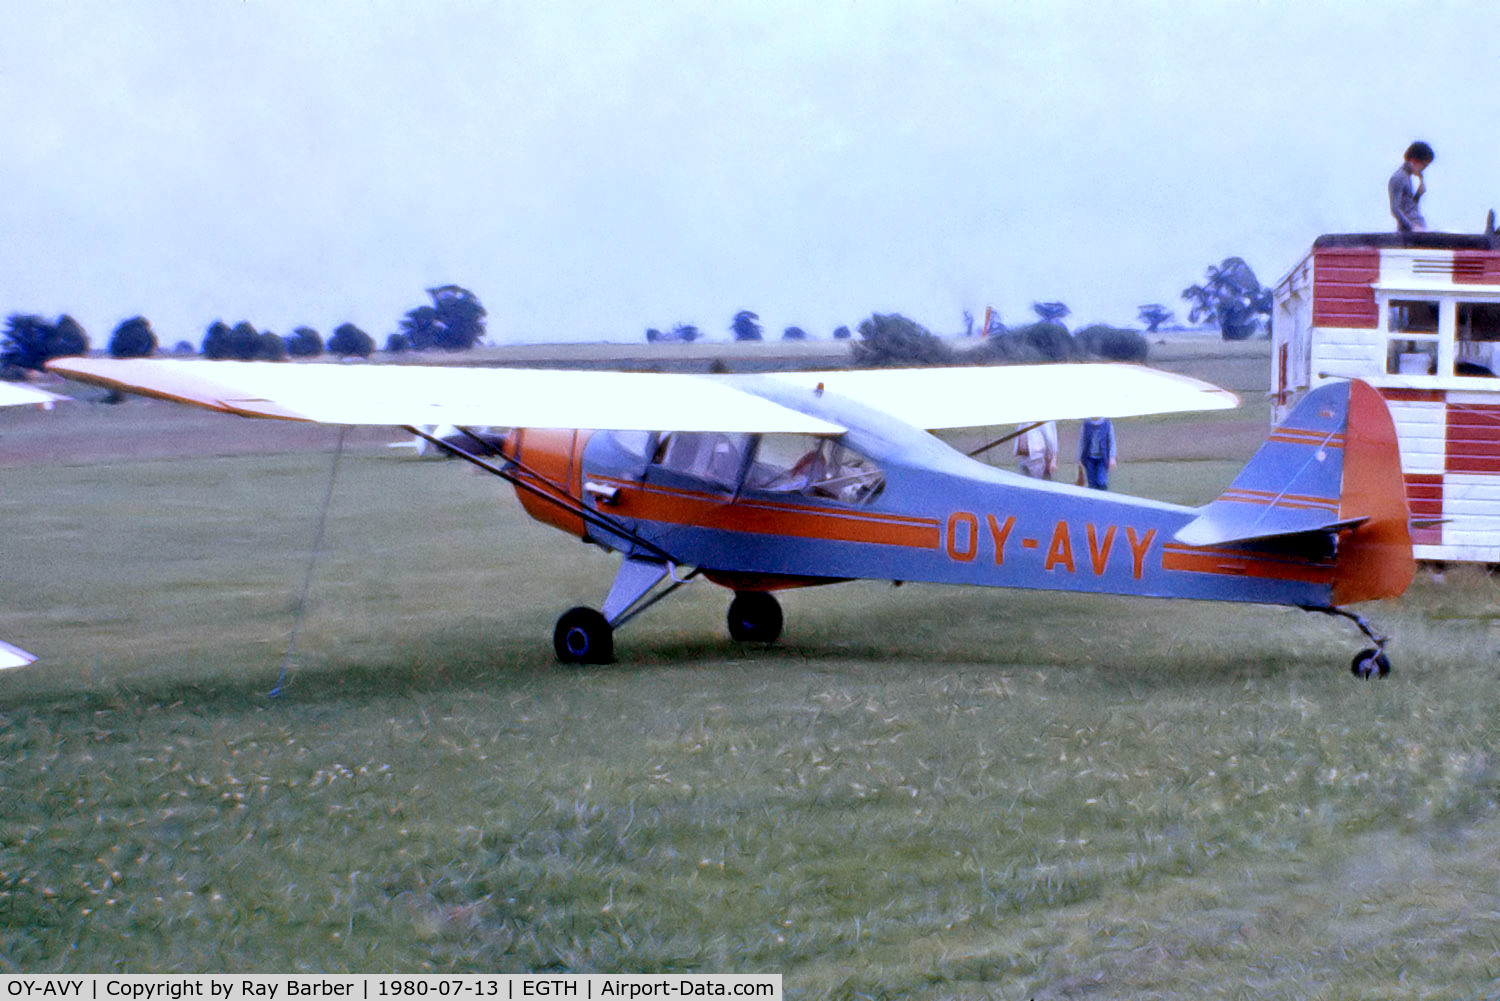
[[583, 636], [1370, 663], [754, 617]]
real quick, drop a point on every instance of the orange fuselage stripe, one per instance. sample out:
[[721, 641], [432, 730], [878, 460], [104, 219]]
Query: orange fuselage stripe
[[654, 502], [1237, 563]]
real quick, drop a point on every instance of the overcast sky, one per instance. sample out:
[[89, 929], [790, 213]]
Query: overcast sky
[[590, 169]]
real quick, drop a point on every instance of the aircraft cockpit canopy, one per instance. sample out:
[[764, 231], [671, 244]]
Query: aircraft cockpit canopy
[[797, 464]]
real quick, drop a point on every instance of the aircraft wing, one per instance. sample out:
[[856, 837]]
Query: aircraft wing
[[17, 394], [980, 396], [13, 656], [416, 395]]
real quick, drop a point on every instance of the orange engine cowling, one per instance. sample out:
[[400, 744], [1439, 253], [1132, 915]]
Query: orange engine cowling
[[550, 474]]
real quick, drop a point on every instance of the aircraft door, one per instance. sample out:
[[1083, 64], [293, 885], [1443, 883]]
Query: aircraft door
[[685, 475], [616, 461]]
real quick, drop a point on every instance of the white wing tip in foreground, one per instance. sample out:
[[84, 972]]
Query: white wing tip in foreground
[[18, 394], [13, 656]]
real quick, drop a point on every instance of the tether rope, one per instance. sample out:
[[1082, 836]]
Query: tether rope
[[312, 562]]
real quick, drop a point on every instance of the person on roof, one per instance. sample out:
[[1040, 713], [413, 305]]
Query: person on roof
[[1406, 188]]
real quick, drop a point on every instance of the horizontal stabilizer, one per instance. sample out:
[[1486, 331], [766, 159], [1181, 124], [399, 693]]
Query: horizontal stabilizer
[[1223, 527]]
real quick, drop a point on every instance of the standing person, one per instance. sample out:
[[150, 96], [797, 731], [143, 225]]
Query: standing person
[[1096, 451], [1406, 188], [1036, 448]]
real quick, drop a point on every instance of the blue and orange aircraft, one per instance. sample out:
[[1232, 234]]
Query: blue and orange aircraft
[[760, 483]]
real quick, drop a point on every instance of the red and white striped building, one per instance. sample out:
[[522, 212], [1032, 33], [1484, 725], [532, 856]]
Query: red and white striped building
[[1418, 317]]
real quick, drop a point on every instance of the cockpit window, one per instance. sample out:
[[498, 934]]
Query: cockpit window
[[813, 467], [703, 455], [633, 443]]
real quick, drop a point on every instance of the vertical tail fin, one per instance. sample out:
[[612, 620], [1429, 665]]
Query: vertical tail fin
[[1331, 470], [1375, 559]]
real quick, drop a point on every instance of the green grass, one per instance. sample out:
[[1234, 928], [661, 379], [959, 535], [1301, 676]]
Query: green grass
[[922, 791]]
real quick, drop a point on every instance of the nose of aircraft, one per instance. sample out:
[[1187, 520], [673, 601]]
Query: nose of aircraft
[[549, 474]]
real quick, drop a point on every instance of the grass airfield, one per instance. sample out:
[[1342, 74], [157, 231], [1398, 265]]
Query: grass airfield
[[923, 791]]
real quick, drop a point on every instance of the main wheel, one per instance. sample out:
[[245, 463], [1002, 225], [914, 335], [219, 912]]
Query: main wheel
[[754, 617], [583, 636], [1370, 663]]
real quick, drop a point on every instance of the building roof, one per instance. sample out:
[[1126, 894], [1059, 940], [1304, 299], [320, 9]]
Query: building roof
[[1422, 241]]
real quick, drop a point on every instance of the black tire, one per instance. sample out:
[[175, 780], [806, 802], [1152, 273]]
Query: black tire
[[1370, 663], [754, 617], [583, 636]]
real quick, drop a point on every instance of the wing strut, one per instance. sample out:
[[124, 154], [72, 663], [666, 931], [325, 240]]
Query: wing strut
[[975, 453]]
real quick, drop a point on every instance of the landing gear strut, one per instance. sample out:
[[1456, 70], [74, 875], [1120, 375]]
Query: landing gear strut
[[1370, 662], [754, 617], [584, 636]]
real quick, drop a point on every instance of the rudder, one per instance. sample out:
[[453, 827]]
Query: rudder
[[1375, 559]]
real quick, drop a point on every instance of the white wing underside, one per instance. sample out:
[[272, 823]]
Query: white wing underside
[[418, 395], [982, 396], [13, 656], [14, 394], [402, 395]]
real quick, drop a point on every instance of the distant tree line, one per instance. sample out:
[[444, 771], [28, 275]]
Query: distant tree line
[[745, 326], [1232, 297], [894, 340], [454, 322]]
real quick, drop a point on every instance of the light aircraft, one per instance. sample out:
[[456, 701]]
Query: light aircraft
[[764, 482], [15, 394]]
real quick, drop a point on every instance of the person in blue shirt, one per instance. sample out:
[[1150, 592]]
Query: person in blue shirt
[[1096, 451]]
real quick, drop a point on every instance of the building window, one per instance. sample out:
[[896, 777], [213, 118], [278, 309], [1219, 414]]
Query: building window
[[1412, 357], [1413, 347], [1478, 333], [1413, 316]]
